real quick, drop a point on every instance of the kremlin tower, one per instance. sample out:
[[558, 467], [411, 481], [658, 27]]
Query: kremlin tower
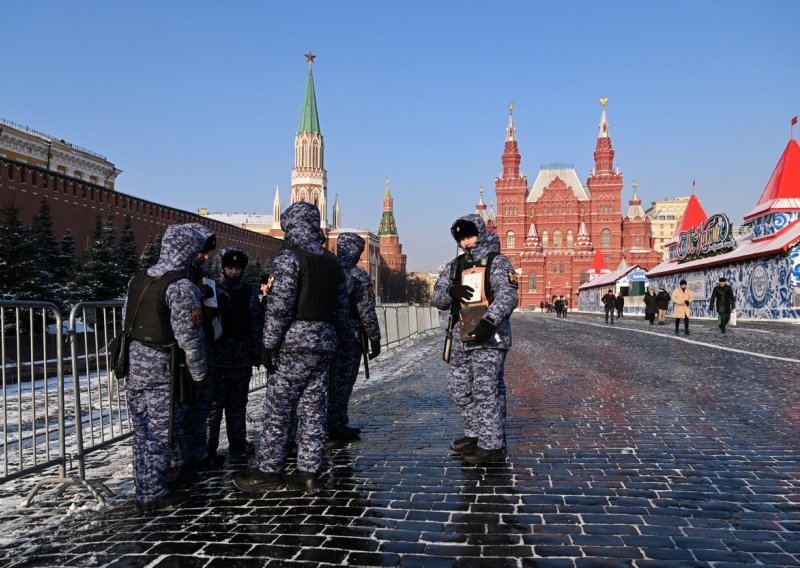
[[393, 261], [309, 178]]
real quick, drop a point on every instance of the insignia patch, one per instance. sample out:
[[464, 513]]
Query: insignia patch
[[512, 279], [197, 316], [270, 281]]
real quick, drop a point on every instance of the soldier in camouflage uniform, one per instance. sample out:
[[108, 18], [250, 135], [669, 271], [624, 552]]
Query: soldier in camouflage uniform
[[362, 320], [307, 300], [475, 380], [235, 353], [175, 315]]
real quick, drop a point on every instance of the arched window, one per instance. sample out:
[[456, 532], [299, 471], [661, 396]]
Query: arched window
[[561, 267], [545, 239], [570, 242], [544, 210], [556, 238], [556, 210], [510, 239], [637, 240], [531, 283], [605, 238]]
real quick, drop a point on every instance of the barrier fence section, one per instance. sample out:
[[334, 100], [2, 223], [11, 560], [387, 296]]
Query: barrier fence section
[[61, 401]]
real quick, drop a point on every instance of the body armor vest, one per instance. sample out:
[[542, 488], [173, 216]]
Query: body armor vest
[[320, 276], [151, 325], [236, 317]]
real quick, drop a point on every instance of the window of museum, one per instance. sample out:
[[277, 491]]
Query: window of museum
[[532, 283], [556, 210], [605, 238], [637, 240], [556, 238], [510, 239], [545, 239], [561, 267], [570, 241], [554, 268]]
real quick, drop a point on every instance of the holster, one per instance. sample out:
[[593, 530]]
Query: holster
[[183, 385]]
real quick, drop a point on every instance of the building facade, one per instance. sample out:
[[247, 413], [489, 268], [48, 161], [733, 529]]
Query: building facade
[[551, 229], [664, 217]]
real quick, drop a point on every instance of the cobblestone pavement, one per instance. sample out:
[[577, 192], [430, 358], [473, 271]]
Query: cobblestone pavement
[[626, 447]]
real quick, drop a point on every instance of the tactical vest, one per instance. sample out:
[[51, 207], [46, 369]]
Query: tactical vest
[[320, 277], [152, 325], [463, 263], [236, 318]]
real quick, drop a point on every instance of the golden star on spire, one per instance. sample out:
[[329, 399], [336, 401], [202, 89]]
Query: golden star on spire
[[310, 57], [603, 101], [511, 107]]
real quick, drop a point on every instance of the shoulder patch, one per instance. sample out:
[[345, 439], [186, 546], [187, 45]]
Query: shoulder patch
[[512, 278], [197, 316]]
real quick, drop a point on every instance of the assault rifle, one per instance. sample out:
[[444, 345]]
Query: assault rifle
[[451, 322], [362, 334]]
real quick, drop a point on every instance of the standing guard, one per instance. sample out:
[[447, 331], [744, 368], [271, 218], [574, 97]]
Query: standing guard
[[167, 348], [236, 352], [307, 302], [480, 288], [358, 330]]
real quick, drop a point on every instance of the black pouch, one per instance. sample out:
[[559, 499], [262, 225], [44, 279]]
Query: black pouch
[[118, 348]]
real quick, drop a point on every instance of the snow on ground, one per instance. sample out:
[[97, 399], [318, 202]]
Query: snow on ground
[[112, 465]]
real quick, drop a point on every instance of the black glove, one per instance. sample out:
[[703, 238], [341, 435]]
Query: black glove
[[686, 302], [374, 348], [269, 359], [483, 331], [207, 291], [460, 292], [198, 387]]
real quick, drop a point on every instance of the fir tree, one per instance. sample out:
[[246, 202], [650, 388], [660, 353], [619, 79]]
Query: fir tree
[[48, 284], [66, 258], [253, 272], [97, 273], [151, 251], [17, 268], [126, 252]]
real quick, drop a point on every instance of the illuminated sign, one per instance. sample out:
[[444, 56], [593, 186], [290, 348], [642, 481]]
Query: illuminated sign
[[714, 236]]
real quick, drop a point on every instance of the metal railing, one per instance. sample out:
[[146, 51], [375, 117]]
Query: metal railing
[[61, 401]]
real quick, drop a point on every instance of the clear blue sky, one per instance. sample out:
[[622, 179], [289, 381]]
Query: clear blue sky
[[199, 101]]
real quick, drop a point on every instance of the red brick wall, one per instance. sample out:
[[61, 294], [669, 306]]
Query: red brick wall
[[75, 205]]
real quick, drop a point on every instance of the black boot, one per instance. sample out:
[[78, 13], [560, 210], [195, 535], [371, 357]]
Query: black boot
[[481, 455], [344, 434], [242, 450], [304, 481], [464, 444], [258, 481], [164, 502]]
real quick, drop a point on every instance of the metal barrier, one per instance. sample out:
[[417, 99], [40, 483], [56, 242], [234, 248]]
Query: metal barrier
[[41, 430], [33, 417]]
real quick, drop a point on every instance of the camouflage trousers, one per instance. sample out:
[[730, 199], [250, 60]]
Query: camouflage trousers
[[476, 384], [191, 434], [231, 387], [299, 386], [152, 451], [348, 359]]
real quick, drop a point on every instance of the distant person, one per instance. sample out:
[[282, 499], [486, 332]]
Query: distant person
[[608, 305], [662, 301], [541, 306], [559, 305], [682, 297], [619, 304], [564, 307], [722, 296], [650, 306], [264, 284]]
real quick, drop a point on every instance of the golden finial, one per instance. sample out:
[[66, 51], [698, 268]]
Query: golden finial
[[635, 185], [481, 190], [511, 107], [603, 102], [387, 182]]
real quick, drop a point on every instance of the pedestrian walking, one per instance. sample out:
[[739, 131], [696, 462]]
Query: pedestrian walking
[[480, 288], [167, 348], [307, 301], [359, 330], [608, 305], [682, 298], [650, 306], [619, 304], [559, 306], [264, 284], [236, 352], [662, 302], [722, 297], [541, 306]]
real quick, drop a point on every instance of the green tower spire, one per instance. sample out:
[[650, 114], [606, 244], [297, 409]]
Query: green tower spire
[[388, 226], [309, 120]]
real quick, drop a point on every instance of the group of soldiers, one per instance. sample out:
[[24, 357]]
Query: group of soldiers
[[193, 343]]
